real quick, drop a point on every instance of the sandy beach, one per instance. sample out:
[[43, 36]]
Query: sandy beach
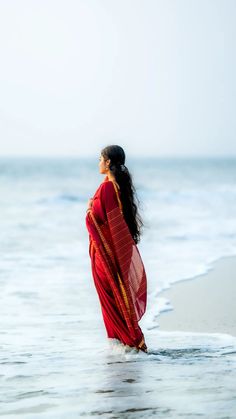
[[205, 303]]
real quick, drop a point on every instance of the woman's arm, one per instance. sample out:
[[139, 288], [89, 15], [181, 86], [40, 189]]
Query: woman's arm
[[89, 205]]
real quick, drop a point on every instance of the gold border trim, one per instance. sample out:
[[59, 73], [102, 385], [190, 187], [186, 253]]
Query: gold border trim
[[118, 198]]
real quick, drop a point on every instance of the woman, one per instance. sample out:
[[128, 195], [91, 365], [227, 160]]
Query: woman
[[114, 225]]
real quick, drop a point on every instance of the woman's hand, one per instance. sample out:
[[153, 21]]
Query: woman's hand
[[90, 203]]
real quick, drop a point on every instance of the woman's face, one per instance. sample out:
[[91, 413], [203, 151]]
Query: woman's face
[[103, 165]]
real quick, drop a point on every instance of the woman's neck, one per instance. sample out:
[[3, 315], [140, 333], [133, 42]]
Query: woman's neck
[[110, 177]]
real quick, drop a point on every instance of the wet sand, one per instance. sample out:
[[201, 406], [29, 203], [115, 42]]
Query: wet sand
[[205, 303]]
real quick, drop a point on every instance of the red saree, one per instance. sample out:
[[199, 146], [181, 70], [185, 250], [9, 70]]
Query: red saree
[[117, 267]]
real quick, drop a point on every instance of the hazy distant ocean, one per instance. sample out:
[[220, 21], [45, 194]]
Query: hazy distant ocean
[[53, 342]]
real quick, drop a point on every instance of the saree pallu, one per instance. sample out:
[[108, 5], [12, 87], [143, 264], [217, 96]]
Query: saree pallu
[[117, 268]]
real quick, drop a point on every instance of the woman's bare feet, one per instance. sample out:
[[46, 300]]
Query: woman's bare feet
[[143, 347]]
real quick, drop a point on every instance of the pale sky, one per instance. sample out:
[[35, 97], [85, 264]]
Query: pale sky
[[156, 77]]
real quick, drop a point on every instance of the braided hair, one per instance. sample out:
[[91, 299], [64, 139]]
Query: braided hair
[[128, 196]]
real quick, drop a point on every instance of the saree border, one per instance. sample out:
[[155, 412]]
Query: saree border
[[122, 289]]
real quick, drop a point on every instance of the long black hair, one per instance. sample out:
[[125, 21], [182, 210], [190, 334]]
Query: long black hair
[[128, 195]]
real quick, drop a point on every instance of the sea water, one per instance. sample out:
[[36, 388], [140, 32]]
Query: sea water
[[56, 361]]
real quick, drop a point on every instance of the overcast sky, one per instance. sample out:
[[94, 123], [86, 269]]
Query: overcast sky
[[156, 77]]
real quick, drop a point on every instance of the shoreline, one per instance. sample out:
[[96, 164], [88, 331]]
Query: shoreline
[[205, 303]]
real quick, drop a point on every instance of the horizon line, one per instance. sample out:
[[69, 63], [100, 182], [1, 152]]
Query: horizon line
[[131, 156]]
